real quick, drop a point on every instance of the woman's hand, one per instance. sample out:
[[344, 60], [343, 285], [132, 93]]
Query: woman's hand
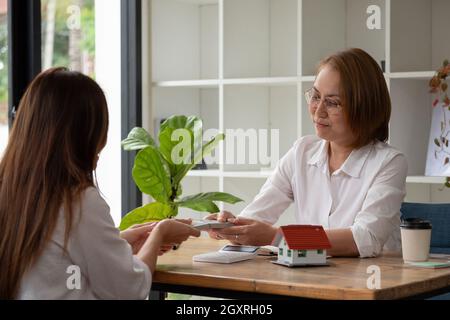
[[165, 233], [137, 234], [174, 232], [221, 217], [248, 232]]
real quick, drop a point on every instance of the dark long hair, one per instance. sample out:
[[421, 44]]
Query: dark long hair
[[60, 127]]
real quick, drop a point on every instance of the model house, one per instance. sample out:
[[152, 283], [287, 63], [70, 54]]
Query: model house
[[302, 245]]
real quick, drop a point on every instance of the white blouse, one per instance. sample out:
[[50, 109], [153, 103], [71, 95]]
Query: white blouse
[[365, 194], [107, 266]]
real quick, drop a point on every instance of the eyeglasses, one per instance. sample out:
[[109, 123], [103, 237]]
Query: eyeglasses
[[313, 99]]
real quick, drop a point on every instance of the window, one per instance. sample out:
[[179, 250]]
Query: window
[[84, 36], [289, 253], [301, 253], [3, 75], [68, 35], [280, 251], [320, 251]]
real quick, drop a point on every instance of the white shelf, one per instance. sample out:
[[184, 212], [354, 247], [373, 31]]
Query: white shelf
[[263, 174], [424, 179], [420, 75], [204, 173], [308, 78], [212, 83], [199, 2], [245, 65], [270, 81], [247, 174]]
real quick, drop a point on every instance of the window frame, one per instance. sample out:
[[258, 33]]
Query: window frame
[[25, 62], [131, 68], [24, 49]]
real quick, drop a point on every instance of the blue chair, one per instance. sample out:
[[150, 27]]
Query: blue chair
[[439, 216]]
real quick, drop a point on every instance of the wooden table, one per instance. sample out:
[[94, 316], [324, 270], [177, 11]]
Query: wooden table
[[345, 278]]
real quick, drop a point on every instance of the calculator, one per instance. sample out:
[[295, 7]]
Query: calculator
[[228, 254]]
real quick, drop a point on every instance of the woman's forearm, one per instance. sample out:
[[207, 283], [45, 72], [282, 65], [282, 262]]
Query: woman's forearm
[[150, 250], [342, 243]]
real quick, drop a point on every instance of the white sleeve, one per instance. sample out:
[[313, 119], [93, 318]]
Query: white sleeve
[[380, 213], [276, 194], [105, 258]]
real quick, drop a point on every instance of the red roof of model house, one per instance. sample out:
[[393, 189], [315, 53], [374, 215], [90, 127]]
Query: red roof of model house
[[303, 237]]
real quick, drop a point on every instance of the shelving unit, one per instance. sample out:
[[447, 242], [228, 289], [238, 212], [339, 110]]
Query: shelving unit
[[246, 63]]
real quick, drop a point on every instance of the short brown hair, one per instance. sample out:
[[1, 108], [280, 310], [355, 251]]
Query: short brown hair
[[365, 96]]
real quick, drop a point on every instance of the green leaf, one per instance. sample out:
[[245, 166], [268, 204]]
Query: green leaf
[[202, 206], [204, 201], [155, 211], [205, 151], [212, 196], [151, 174], [194, 126], [181, 122], [137, 139], [210, 146]]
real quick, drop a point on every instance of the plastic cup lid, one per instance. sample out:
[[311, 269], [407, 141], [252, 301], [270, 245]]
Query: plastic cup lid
[[415, 223]]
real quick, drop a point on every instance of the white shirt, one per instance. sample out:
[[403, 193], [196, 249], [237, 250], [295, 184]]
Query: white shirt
[[108, 268], [365, 194]]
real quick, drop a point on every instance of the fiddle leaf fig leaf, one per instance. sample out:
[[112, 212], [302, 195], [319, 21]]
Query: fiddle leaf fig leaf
[[202, 206], [137, 139], [204, 201], [200, 153], [151, 212], [212, 196], [179, 137], [152, 175]]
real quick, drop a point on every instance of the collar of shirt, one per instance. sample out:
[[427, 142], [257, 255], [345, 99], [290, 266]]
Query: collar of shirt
[[352, 166]]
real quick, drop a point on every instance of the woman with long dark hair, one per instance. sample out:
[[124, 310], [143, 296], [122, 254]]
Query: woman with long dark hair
[[54, 222]]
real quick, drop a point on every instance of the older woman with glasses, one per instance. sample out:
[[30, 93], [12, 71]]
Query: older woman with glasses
[[346, 177]]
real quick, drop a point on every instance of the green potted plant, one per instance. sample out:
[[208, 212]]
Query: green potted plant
[[439, 86], [159, 169]]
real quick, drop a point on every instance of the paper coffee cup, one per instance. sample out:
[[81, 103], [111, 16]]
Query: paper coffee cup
[[416, 238]]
